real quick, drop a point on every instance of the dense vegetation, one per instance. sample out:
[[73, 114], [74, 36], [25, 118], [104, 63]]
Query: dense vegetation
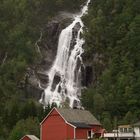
[[112, 35], [112, 45], [20, 24]]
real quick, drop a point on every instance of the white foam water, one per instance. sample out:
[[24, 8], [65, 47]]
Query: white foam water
[[65, 67]]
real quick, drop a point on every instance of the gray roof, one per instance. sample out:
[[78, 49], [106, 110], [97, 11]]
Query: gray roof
[[78, 116], [136, 124], [80, 125], [32, 137]]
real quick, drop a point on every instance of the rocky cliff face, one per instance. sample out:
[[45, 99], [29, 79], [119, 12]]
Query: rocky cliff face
[[36, 76], [93, 68]]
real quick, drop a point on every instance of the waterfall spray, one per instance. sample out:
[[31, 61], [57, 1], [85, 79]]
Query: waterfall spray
[[64, 76]]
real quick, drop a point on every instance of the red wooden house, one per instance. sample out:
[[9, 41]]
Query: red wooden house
[[29, 137], [69, 124]]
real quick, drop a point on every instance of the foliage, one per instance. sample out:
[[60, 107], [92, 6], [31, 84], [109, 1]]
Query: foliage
[[15, 110], [113, 34], [21, 22], [24, 127]]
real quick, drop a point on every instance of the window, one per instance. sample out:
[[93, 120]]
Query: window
[[130, 130], [121, 129], [125, 130]]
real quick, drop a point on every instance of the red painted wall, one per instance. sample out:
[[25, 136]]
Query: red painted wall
[[25, 138], [81, 133], [70, 132], [96, 129], [55, 128]]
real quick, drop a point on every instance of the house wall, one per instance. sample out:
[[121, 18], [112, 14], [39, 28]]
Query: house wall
[[81, 133], [137, 133], [70, 132], [96, 129], [55, 128]]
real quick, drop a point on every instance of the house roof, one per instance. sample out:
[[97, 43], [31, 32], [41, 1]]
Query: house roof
[[80, 125], [136, 124], [78, 116], [124, 126], [32, 137]]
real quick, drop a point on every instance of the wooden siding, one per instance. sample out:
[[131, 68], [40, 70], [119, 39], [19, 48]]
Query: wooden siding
[[55, 128], [81, 133]]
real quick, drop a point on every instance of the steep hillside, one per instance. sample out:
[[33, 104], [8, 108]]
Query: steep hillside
[[21, 24], [112, 52], [28, 39]]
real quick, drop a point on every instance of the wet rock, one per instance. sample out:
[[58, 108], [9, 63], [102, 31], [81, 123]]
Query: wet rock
[[74, 35], [83, 76], [47, 45], [76, 104], [88, 75], [56, 80], [43, 78], [59, 89], [49, 40], [33, 92], [77, 70], [92, 64]]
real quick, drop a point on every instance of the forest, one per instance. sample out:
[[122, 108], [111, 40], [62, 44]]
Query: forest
[[20, 24], [112, 33]]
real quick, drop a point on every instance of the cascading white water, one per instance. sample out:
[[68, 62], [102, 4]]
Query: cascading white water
[[65, 66]]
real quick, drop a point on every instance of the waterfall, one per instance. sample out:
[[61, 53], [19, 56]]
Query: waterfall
[[64, 76]]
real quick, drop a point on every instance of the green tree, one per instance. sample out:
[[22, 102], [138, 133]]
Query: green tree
[[106, 121], [24, 127], [98, 103], [112, 37]]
